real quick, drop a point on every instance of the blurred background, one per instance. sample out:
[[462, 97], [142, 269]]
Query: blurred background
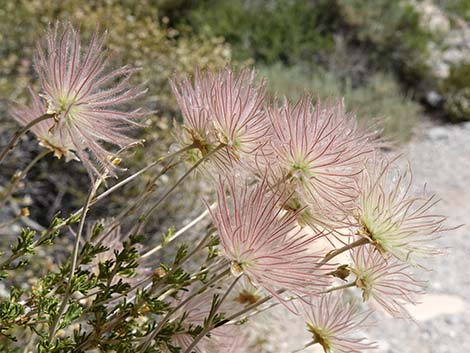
[[405, 63]]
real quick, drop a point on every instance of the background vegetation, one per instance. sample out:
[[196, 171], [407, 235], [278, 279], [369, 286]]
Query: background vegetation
[[379, 54]]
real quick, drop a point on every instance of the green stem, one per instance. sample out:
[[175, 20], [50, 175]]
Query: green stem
[[182, 178], [143, 347], [116, 318], [73, 266]]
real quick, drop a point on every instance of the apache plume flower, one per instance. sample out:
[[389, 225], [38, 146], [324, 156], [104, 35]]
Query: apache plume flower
[[333, 323], [394, 221], [318, 150], [264, 242], [193, 102], [83, 96], [223, 109], [384, 280], [60, 144], [235, 107]]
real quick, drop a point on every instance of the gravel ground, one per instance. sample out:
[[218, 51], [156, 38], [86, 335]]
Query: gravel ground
[[440, 157]]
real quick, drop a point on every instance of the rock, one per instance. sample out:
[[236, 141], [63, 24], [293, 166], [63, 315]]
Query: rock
[[432, 17], [437, 133], [433, 98]]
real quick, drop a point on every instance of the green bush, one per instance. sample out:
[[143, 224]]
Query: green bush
[[459, 8], [392, 32], [380, 99], [268, 31]]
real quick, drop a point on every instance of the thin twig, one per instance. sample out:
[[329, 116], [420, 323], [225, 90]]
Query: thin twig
[[18, 177], [179, 232], [309, 344], [140, 200], [182, 178], [136, 174], [209, 326], [336, 252], [248, 308], [344, 286], [21, 132], [68, 290]]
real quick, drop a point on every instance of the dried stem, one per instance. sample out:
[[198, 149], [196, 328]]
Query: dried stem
[[179, 232], [21, 132], [209, 326], [336, 252], [18, 177]]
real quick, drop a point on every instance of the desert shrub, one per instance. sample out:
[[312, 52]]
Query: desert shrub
[[456, 92], [380, 98]]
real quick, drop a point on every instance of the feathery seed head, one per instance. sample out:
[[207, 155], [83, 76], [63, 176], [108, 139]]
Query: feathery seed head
[[83, 95], [264, 242], [49, 138], [223, 109], [193, 102], [395, 221], [333, 324], [384, 280], [236, 110], [318, 149]]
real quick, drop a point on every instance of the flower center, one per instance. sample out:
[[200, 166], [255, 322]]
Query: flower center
[[373, 232], [236, 268], [321, 337]]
